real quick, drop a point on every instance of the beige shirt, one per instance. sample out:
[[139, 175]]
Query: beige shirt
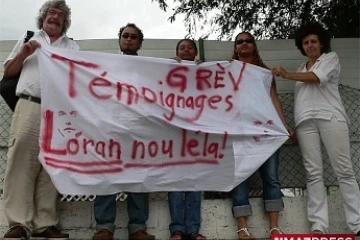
[[29, 81], [320, 101]]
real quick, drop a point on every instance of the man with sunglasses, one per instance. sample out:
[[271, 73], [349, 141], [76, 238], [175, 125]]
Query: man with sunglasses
[[130, 42]]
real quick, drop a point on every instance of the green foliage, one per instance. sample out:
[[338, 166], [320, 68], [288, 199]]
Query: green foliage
[[266, 19]]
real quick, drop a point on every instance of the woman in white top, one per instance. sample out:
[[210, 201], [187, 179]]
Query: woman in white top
[[320, 117]]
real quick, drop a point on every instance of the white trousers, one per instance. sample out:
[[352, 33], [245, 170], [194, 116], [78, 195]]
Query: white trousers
[[30, 197], [335, 137]]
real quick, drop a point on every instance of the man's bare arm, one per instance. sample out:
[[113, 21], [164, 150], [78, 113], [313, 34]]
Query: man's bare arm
[[13, 66]]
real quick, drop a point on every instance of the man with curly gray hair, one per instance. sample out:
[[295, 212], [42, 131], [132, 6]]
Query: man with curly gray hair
[[58, 4], [30, 198]]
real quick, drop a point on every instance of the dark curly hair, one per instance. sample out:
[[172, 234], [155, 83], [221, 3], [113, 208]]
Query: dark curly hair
[[186, 39], [132, 25], [313, 28]]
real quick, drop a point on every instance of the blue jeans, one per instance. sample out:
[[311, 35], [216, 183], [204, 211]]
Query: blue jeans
[[137, 207], [272, 191], [105, 212], [185, 212], [138, 211]]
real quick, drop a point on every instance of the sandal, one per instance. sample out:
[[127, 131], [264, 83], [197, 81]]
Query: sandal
[[247, 233], [196, 236], [177, 235], [278, 231]]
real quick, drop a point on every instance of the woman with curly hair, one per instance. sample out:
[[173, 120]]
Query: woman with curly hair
[[320, 118]]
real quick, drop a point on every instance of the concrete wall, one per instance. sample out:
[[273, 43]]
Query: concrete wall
[[273, 52], [217, 222]]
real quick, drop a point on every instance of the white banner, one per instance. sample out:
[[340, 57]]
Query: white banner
[[114, 123]]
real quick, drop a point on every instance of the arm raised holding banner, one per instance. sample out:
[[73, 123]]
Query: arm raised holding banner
[[13, 66]]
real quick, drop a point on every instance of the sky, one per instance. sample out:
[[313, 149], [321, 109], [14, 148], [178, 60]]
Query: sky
[[95, 19]]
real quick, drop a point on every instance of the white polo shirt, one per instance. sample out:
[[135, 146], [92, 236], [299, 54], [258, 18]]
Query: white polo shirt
[[29, 82], [320, 100]]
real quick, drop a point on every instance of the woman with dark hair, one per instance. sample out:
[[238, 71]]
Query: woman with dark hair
[[186, 49], [245, 50], [320, 117], [185, 207]]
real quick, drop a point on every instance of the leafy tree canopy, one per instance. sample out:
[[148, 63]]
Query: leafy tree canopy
[[266, 19]]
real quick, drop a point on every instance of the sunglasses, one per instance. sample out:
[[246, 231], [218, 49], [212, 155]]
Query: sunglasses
[[127, 35], [241, 41]]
